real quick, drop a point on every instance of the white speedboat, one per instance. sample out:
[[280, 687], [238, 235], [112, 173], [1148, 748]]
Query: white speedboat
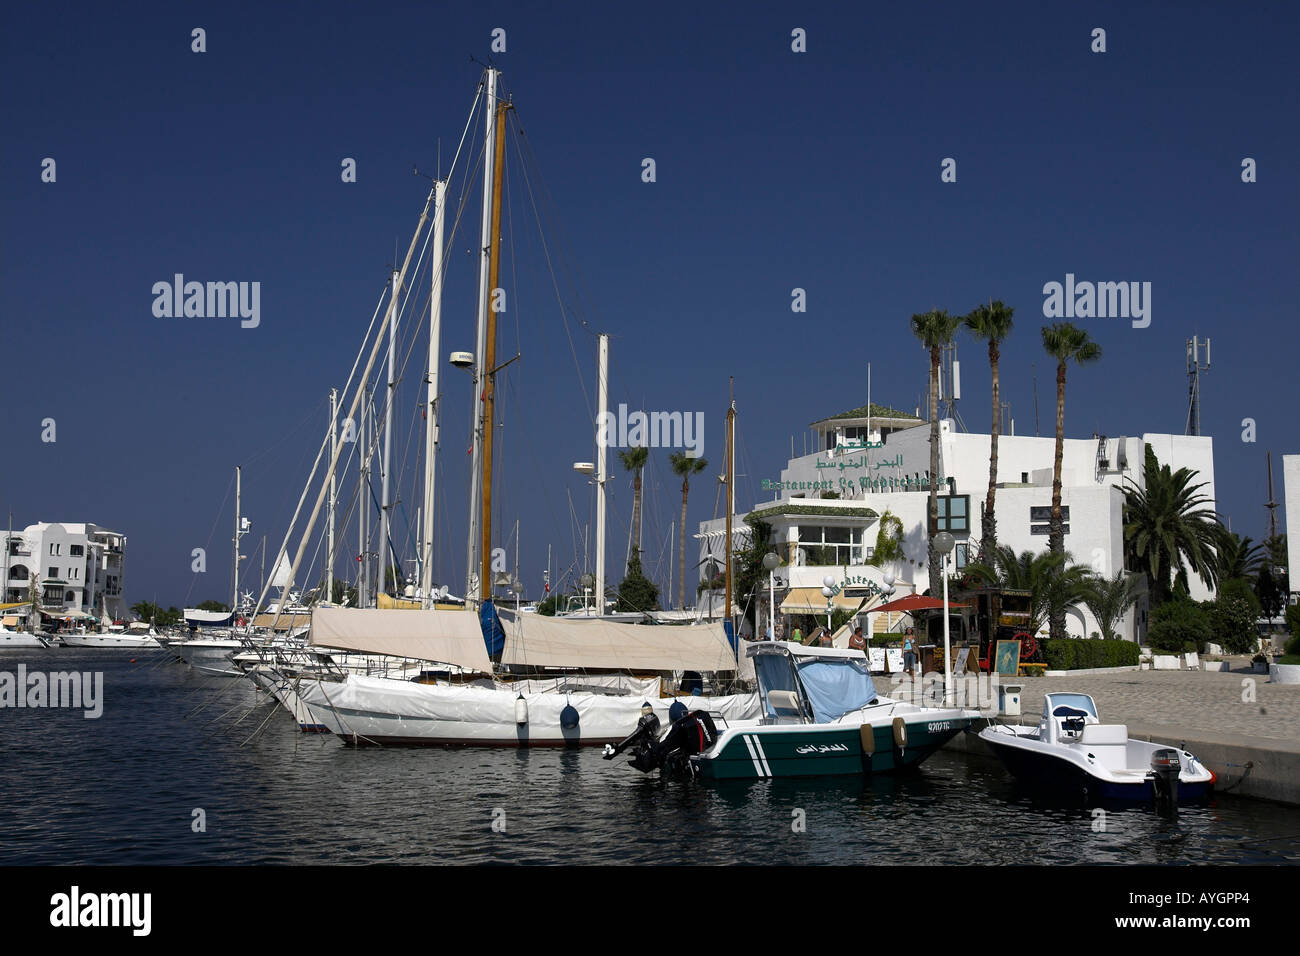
[[133, 637], [20, 639], [1072, 751], [210, 655], [820, 716]]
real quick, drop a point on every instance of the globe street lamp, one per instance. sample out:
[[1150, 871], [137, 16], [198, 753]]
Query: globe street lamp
[[770, 562], [888, 593], [943, 543], [828, 592]]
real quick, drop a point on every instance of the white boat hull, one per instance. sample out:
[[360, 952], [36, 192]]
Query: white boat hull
[[108, 640], [19, 639], [210, 657], [376, 710]]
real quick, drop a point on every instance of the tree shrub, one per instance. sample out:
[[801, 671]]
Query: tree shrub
[[1233, 615], [1179, 626], [1065, 654]]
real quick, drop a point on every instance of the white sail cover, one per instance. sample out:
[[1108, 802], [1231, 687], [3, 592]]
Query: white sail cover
[[449, 637], [540, 641]]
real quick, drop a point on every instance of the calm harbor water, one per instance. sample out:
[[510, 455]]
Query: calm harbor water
[[122, 789]]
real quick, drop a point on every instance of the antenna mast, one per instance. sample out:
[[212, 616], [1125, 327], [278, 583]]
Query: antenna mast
[[1194, 370]]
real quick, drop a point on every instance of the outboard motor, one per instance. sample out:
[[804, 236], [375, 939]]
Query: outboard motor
[[690, 734], [1165, 768]]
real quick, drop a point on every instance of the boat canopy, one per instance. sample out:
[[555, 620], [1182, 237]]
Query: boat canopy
[[834, 681], [537, 640], [196, 618], [448, 637]]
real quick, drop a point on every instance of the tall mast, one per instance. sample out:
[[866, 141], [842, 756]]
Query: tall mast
[[234, 603], [363, 510], [431, 422], [490, 357], [384, 467], [731, 490], [329, 537], [352, 409], [602, 408], [484, 292]]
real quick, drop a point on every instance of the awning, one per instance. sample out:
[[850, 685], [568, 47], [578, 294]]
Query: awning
[[915, 602], [811, 601], [541, 641], [11, 621], [449, 637]]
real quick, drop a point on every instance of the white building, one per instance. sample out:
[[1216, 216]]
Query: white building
[[77, 569], [826, 507]]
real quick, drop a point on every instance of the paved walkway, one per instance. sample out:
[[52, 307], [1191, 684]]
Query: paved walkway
[[1189, 703]]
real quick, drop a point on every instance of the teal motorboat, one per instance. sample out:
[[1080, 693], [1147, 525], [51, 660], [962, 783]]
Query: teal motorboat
[[820, 716]]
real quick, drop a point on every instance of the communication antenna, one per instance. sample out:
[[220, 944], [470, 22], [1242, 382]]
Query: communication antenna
[[950, 383], [1271, 505], [1194, 370]]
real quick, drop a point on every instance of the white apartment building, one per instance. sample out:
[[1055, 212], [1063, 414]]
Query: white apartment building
[[77, 569], [825, 508]]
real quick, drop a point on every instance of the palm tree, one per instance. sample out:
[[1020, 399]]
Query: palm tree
[[1054, 582], [1109, 599], [684, 465], [991, 323], [634, 460], [1169, 529], [935, 329], [1066, 343], [1236, 557]]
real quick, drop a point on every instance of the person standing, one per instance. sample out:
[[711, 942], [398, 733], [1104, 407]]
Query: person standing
[[909, 656], [856, 641]]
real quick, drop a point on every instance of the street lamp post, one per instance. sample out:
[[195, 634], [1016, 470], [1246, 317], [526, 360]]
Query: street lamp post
[[828, 592], [770, 561], [943, 543]]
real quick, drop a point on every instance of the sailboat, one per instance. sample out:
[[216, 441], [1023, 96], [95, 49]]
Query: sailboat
[[504, 680]]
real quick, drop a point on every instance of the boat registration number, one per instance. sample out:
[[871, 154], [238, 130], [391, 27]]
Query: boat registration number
[[937, 726]]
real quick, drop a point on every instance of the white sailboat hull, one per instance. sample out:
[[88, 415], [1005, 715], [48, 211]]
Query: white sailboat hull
[[381, 711]]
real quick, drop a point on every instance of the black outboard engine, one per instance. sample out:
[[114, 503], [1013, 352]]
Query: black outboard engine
[[1165, 768], [692, 733]]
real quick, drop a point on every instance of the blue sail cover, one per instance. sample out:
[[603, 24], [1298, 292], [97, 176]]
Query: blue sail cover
[[836, 686], [494, 635]]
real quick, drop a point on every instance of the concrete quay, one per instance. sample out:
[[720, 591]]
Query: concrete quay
[[1242, 727]]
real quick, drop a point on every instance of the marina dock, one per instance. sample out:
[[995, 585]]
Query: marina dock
[[1242, 727]]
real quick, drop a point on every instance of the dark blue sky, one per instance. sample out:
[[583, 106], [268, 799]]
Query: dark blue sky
[[775, 170]]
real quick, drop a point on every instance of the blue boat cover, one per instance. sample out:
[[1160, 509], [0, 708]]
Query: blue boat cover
[[494, 635], [836, 686]]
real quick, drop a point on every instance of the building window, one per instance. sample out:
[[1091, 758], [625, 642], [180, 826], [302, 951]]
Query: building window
[[53, 573], [954, 514], [56, 549], [1040, 519], [961, 555], [77, 551], [832, 545]]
